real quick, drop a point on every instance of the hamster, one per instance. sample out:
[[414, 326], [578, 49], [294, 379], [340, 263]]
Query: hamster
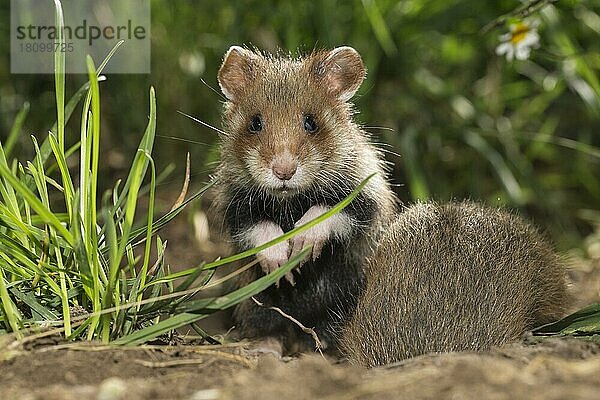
[[290, 150]]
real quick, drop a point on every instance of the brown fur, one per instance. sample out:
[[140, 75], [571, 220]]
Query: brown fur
[[283, 90], [453, 277]]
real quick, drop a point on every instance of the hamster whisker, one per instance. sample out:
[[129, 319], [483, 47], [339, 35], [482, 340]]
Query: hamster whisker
[[207, 125]]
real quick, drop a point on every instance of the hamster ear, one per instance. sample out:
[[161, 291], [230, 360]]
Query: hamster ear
[[342, 71], [237, 71]]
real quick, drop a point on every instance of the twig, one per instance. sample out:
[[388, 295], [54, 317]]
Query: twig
[[173, 363], [520, 12], [213, 354], [248, 363], [310, 331]]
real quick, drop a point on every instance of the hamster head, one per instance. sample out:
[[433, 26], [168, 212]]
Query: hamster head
[[288, 122]]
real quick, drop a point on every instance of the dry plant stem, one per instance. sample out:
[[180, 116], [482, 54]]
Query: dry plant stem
[[246, 362], [186, 184], [178, 202], [173, 363], [310, 331], [231, 275], [87, 346]]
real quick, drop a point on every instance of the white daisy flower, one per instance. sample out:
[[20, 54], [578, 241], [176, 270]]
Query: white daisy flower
[[519, 41]]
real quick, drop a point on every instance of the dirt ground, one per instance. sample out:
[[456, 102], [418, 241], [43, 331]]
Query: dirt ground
[[532, 369], [553, 369]]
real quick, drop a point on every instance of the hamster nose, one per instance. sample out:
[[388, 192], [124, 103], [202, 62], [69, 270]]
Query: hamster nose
[[284, 170]]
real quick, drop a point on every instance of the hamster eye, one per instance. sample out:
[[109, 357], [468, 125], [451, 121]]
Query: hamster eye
[[310, 125], [255, 124]]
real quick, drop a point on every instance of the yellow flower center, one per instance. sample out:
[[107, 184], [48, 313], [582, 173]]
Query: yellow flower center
[[520, 32]]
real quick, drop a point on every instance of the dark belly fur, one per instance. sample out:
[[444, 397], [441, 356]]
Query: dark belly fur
[[326, 289]]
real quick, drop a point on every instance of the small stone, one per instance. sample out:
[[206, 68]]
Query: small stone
[[112, 389], [208, 394]]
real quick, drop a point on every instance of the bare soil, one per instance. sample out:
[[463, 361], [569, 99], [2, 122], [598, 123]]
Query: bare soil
[[557, 368], [553, 369]]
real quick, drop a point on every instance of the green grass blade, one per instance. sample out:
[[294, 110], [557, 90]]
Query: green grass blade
[[72, 293], [59, 75], [45, 214], [110, 54], [73, 102], [219, 303], [258, 285], [187, 283], [89, 282], [23, 231], [582, 322], [45, 148], [81, 328], [69, 191], [9, 260], [380, 28], [15, 131], [95, 139], [148, 245], [11, 266], [152, 332], [66, 313], [39, 175], [90, 138], [12, 204], [145, 146], [136, 288], [16, 251], [40, 179], [34, 305], [114, 262], [155, 307], [10, 311], [137, 172]]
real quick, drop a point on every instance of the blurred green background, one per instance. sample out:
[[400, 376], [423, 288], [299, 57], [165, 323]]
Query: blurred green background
[[463, 121]]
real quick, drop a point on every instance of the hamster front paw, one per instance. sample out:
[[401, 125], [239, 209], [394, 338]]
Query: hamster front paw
[[314, 237], [272, 257], [338, 225]]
